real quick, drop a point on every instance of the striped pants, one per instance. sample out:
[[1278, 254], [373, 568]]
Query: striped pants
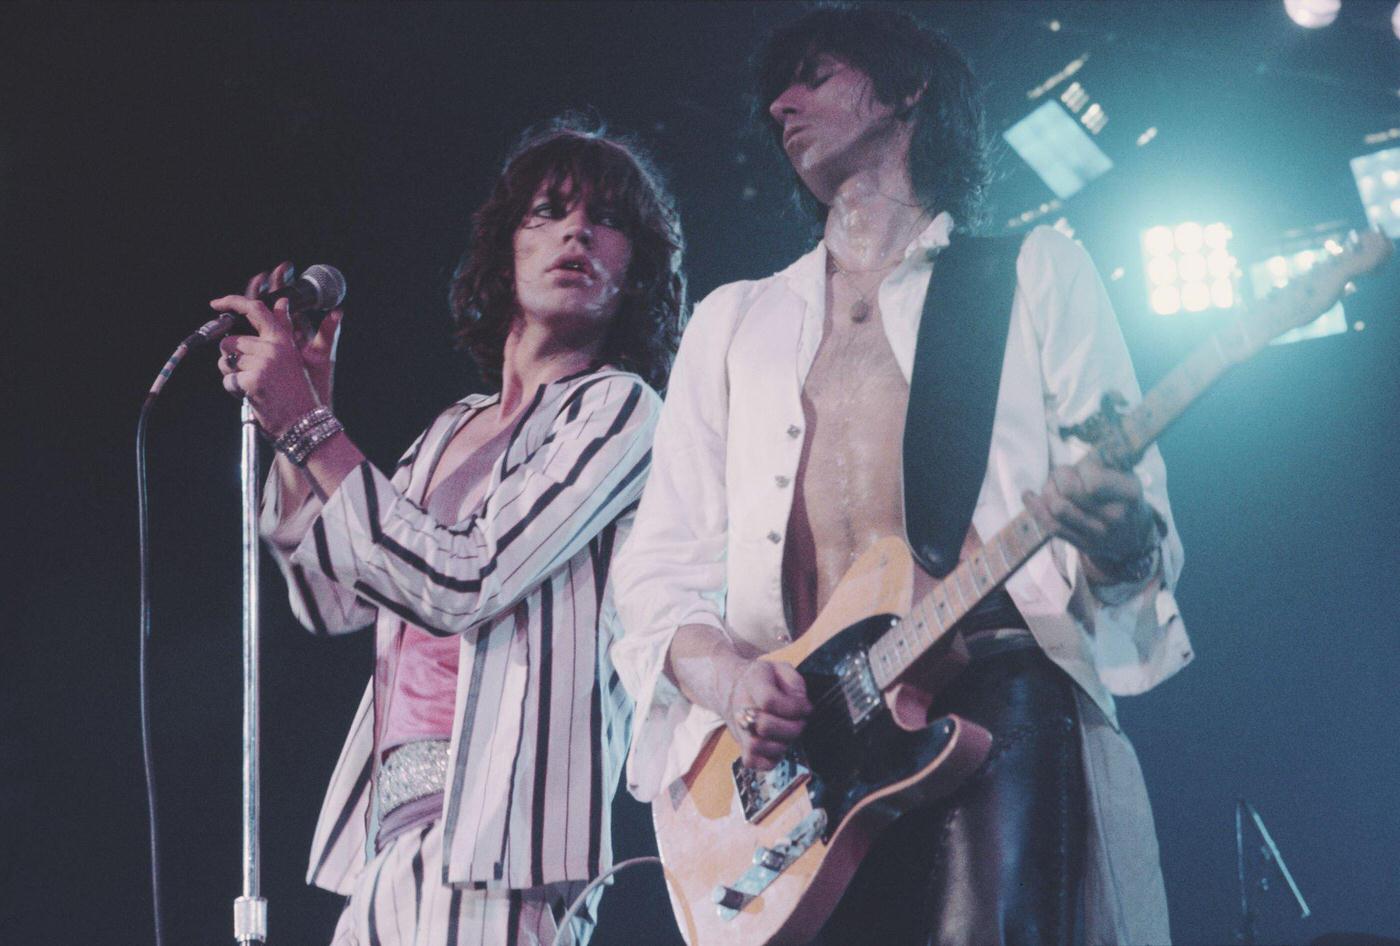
[[400, 900]]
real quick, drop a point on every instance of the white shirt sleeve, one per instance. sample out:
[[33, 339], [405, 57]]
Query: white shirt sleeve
[[1137, 629], [448, 578], [672, 569]]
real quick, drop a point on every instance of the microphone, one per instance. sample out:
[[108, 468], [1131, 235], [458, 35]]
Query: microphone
[[313, 294]]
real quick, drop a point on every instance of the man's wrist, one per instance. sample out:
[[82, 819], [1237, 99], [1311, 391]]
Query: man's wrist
[[1130, 569]]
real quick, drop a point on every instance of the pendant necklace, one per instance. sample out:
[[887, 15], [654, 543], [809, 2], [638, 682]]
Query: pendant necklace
[[862, 310]]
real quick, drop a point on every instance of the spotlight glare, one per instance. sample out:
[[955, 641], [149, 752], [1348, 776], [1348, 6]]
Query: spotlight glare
[[1390, 176], [1161, 270], [1159, 241], [1192, 267], [1195, 297], [1189, 267], [1312, 14], [1303, 261], [1188, 237], [1166, 300], [1395, 23], [1221, 264], [1217, 235]]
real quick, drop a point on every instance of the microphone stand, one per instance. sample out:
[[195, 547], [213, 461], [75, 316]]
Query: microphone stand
[[250, 910], [1269, 853]]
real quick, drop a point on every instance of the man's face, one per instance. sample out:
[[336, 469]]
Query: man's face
[[832, 124], [571, 259]]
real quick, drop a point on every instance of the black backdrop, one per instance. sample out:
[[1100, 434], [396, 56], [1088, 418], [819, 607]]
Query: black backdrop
[[151, 156]]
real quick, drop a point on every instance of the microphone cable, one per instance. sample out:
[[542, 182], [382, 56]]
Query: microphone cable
[[211, 330]]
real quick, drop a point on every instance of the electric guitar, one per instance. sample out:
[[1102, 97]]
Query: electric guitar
[[757, 858]]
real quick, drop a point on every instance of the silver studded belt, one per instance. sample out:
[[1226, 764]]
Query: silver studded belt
[[413, 770]]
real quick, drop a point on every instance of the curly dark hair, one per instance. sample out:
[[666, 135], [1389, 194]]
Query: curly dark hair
[[950, 152], [568, 155]]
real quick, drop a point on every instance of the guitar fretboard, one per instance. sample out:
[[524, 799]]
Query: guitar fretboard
[[988, 568]]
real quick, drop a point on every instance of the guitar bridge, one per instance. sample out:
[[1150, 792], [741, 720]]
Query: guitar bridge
[[759, 791], [768, 865]]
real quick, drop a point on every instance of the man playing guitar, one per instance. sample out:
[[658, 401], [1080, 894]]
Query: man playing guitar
[[778, 462]]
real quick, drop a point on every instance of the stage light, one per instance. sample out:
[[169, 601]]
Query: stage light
[[1312, 14], [1378, 182], [1056, 147], [1189, 267], [1272, 273], [1395, 21]]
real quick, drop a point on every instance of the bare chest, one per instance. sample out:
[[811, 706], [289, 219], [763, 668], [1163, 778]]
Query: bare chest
[[475, 445], [849, 489]]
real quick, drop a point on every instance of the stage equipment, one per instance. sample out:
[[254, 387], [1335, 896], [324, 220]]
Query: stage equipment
[[1378, 182], [1055, 145], [1267, 854], [1289, 259], [320, 289], [762, 857], [1312, 14], [1189, 267]]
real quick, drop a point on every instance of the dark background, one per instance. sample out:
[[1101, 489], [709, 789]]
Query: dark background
[[153, 156]]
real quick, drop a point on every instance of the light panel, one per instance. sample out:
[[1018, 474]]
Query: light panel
[[1058, 149], [1273, 273], [1378, 182], [1189, 267]]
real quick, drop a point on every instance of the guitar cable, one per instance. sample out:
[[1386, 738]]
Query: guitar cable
[[593, 885]]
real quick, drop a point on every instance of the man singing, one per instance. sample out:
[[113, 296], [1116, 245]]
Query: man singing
[[471, 802], [778, 461]]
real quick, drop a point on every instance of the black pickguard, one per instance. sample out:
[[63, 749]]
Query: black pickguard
[[847, 763]]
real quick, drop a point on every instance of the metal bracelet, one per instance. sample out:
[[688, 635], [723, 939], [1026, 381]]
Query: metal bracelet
[[308, 433]]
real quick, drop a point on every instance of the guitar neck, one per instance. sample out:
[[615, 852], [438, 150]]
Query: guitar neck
[[1119, 443], [988, 568]]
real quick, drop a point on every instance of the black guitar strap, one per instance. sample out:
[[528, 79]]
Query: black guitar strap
[[953, 393]]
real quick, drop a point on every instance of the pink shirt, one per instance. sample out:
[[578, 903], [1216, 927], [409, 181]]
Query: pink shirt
[[415, 673]]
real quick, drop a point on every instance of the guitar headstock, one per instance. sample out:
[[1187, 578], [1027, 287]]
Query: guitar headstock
[[1313, 294]]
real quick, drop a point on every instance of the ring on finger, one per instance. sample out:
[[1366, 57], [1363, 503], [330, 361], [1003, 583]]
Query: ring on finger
[[231, 359], [748, 720]]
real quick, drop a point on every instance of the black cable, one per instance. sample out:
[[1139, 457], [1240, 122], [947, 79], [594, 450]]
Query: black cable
[[147, 751]]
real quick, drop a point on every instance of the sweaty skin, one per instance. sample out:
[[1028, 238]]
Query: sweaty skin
[[849, 489]]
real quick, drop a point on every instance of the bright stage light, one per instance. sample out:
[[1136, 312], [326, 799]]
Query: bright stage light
[[1273, 273], [1058, 149], [1189, 267], [1312, 14], [1395, 21], [1378, 182]]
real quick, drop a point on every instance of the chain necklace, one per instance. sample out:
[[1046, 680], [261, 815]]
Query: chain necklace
[[862, 310]]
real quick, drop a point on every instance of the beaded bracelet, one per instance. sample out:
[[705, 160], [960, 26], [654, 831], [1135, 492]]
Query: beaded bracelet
[[309, 432]]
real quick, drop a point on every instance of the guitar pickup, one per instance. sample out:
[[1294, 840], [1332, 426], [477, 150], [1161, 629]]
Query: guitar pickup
[[759, 792]]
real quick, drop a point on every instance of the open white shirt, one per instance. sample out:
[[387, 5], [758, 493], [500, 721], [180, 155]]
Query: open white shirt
[[707, 546]]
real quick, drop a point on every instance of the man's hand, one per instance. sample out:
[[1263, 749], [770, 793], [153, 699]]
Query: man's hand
[[1099, 510], [284, 371], [767, 709]]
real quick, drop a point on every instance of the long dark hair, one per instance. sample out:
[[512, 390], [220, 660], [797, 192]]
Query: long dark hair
[[950, 152], [573, 152]]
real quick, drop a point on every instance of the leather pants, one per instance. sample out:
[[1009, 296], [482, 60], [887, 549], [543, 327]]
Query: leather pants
[[999, 862]]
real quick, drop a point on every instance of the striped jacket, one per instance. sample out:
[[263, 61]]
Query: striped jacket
[[541, 723]]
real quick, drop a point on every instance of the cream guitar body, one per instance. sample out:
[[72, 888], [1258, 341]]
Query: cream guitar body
[[870, 757], [759, 858]]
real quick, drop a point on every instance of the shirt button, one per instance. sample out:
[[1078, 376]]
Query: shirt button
[[794, 430], [774, 537], [781, 480]]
